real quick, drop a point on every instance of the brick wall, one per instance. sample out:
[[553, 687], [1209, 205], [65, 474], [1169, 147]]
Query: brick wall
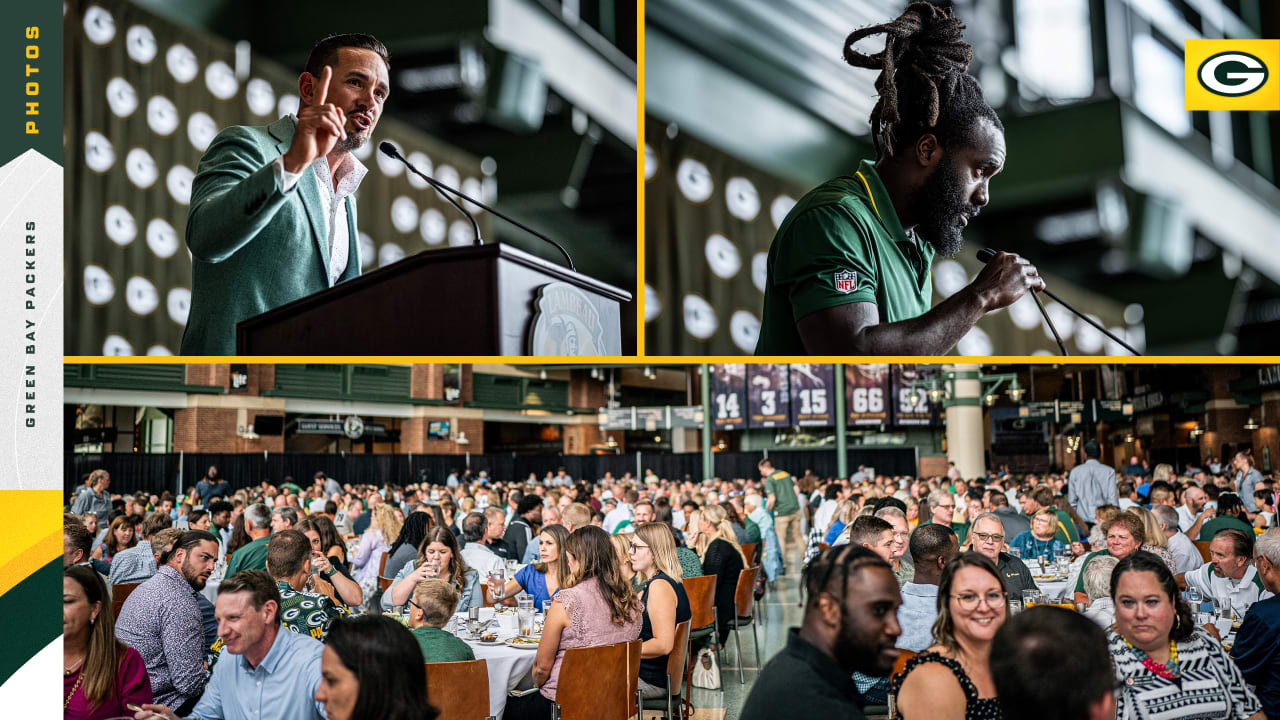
[[213, 429], [413, 436]]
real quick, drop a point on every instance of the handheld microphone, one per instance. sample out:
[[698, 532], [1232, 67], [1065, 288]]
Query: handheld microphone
[[390, 151], [986, 254]]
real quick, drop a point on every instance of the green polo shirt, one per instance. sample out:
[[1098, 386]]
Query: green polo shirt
[[1067, 530], [842, 243], [439, 646], [783, 488], [250, 557]]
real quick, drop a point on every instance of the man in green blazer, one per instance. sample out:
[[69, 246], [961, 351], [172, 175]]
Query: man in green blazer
[[273, 214]]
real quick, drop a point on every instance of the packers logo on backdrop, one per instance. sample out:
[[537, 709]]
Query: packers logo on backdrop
[[1232, 74]]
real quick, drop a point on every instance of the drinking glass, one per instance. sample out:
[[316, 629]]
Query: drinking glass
[[546, 607], [1194, 599], [498, 581], [1015, 606], [525, 616], [512, 566]]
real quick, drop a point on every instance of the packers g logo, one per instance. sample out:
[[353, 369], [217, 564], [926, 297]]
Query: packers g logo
[[1232, 74], [1246, 73]]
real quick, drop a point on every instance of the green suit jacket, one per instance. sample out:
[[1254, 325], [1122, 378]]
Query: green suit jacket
[[253, 248]]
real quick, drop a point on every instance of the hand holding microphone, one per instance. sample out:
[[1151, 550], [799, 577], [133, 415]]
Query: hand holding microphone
[[1005, 279]]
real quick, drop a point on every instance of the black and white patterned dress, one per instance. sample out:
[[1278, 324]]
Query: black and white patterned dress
[[1212, 687]]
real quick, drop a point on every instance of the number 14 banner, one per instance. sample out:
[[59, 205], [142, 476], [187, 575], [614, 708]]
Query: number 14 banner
[[728, 396]]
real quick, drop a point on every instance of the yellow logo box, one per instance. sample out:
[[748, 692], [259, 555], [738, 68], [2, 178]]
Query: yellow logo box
[[1232, 74]]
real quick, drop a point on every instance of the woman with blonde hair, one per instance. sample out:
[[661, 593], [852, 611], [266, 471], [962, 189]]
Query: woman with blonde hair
[[384, 528], [721, 556], [1154, 540], [596, 607], [666, 604], [622, 549], [845, 512], [1163, 472]]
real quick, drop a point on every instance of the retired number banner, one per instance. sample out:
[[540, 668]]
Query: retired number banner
[[729, 396], [867, 393], [769, 400], [812, 395]]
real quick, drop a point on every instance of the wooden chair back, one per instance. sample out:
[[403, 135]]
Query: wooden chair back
[[1213, 630], [452, 687], [599, 683], [382, 564], [901, 663], [120, 593], [749, 552], [744, 597], [678, 657], [702, 599], [385, 582], [822, 546], [1203, 547]]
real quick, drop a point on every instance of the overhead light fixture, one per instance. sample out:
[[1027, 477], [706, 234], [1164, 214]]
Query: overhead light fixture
[[1016, 391], [1128, 437], [914, 397], [1251, 424], [657, 438], [1196, 431], [989, 399], [542, 374], [611, 442], [936, 393], [462, 438]]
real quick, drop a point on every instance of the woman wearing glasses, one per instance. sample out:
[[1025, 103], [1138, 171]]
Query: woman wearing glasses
[[951, 680], [653, 557]]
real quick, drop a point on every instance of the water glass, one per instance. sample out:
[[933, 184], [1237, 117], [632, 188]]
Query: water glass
[[498, 581], [525, 616], [546, 607], [1015, 606]]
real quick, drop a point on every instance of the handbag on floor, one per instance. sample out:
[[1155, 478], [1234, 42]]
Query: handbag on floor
[[706, 673]]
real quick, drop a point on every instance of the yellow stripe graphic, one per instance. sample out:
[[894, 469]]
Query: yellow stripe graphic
[[869, 195]]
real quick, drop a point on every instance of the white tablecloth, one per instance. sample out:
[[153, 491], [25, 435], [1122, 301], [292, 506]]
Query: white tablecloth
[[210, 590], [509, 668], [1057, 590]]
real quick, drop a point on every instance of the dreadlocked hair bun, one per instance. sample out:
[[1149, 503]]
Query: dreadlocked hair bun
[[923, 75], [837, 563]]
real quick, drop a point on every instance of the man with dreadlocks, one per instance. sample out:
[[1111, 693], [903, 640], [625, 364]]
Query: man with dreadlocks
[[850, 624], [849, 266]]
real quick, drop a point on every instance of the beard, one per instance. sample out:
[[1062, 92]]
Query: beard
[[354, 140], [193, 575], [855, 650], [938, 204]]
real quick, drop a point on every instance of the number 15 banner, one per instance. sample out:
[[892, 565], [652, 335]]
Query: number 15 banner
[[868, 393], [767, 392], [812, 398]]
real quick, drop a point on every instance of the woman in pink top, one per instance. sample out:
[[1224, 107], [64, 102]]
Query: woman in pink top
[[101, 675], [595, 607]]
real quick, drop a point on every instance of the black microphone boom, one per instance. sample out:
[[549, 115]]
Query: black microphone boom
[[390, 151], [986, 254]]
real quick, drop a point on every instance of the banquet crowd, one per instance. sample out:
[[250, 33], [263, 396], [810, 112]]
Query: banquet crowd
[[1131, 592]]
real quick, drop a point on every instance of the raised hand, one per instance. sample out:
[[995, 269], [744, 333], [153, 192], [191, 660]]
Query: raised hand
[[320, 126]]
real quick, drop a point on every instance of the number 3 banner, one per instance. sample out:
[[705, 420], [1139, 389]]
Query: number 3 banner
[[812, 402], [867, 393], [728, 396], [770, 401]]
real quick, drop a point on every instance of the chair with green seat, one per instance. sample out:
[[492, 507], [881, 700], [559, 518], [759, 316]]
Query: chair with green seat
[[676, 662]]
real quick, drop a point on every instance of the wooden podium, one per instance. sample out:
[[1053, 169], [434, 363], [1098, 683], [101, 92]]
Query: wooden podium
[[472, 300]]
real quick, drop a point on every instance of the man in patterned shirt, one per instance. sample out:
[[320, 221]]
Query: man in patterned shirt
[[161, 620], [289, 563]]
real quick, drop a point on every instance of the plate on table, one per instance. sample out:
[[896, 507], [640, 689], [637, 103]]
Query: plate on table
[[522, 643], [488, 639]]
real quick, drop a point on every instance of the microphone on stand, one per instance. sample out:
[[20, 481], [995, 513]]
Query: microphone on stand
[[986, 254], [390, 151]]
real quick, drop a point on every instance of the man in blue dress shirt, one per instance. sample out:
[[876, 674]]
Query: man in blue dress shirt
[[274, 673], [1257, 648]]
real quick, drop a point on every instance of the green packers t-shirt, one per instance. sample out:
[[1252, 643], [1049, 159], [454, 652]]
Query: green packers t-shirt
[[842, 243], [783, 488], [1222, 522]]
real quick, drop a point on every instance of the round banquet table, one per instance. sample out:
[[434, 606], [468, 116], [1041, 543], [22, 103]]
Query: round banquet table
[[509, 668]]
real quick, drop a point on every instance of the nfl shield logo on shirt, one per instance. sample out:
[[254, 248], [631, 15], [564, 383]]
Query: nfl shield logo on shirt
[[846, 281]]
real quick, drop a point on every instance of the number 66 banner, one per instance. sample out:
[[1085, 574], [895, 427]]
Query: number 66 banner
[[768, 396], [868, 393]]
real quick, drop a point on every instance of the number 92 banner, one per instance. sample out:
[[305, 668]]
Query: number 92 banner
[[728, 396], [868, 393], [769, 400], [812, 402]]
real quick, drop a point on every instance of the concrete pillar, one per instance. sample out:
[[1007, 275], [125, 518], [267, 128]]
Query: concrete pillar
[[964, 422]]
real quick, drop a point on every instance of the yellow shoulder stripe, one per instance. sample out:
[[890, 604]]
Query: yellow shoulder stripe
[[869, 194]]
